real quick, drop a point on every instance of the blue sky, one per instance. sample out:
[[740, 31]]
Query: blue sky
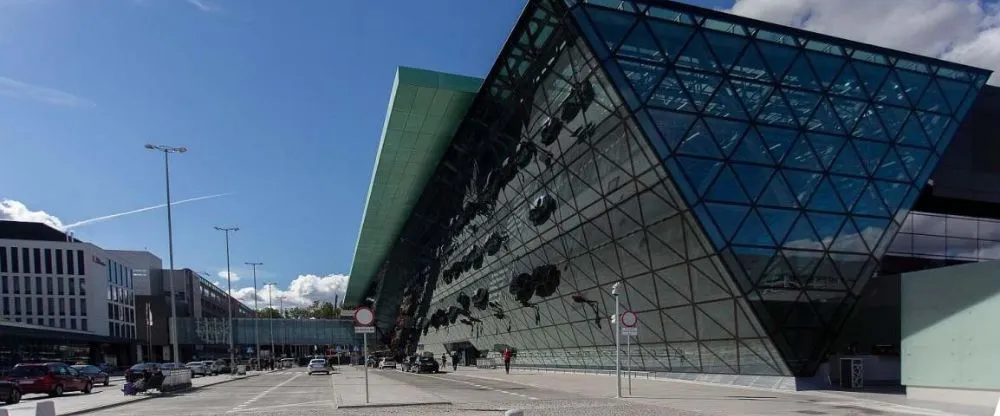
[[281, 103]]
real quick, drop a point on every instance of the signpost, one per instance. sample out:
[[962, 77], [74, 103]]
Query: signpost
[[629, 330], [364, 318]]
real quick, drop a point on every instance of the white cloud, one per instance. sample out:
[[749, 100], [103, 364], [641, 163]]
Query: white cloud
[[17, 211], [222, 274], [17, 89], [302, 291], [205, 6], [965, 31]]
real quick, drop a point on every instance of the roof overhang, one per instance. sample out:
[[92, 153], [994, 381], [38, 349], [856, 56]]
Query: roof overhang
[[425, 109]]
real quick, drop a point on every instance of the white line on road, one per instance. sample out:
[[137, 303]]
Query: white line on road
[[262, 394], [481, 386]]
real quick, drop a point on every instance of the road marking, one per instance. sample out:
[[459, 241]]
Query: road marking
[[262, 394], [282, 406], [476, 385]]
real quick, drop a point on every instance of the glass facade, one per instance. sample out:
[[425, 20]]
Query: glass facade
[[741, 181], [215, 331]]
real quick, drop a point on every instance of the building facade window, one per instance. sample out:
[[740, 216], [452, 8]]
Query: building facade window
[[83, 307], [3, 259], [15, 266], [59, 261], [26, 259], [80, 268], [48, 261], [37, 258], [71, 286], [70, 261]]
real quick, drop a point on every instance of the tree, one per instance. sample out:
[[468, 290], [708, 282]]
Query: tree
[[269, 313]]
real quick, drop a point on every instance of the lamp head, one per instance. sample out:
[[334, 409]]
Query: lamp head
[[614, 288]]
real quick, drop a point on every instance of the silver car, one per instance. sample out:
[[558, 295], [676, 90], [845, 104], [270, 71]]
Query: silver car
[[197, 368], [318, 365]]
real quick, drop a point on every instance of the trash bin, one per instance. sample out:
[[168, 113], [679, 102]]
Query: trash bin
[[241, 370]]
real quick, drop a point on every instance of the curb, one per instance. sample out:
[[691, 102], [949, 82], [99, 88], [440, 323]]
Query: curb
[[407, 404], [144, 398]]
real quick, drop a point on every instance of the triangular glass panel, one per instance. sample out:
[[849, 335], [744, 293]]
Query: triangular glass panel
[[870, 153], [802, 103], [804, 183], [849, 240], [913, 159], [727, 133], [670, 95], [913, 84], [727, 217], [913, 133], [848, 188], [803, 263], [695, 240], [825, 119], [727, 189], [892, 118], [697, 55], [848, 84], [779, 221], [727, 47], [827, 278], [954, 91], [827, 226], [870, 203], [871, 76], [869, 126], [892, 193], [699, 142], [701, 86], [671, 125], [848, 110], [700, 172], [802, 157], [753, 232], [892, 168], [779, 275], [847, 162], [779, 141], [934, 125], [671, 36], [802, 236], [752, 94], [826, 66], [871, 229], [754, 178], [725, 103], [855, 269], [779, 58], [749, 262], [640, 44], [933, 99], [752, 149], [643, 77], [778, 194], [893, 92], [751, 66], [777, 111], [800, 75], [611, 25], [826, 147]]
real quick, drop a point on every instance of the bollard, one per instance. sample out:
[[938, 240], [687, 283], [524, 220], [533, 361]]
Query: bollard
[[46, 408], [514, 412]]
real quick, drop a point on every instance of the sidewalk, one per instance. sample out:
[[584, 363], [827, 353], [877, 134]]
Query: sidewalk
[[349, 390], [711, 399], [104, 397]]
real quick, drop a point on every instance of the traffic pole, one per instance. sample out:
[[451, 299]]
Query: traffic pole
[[365, 360], [618, 342]]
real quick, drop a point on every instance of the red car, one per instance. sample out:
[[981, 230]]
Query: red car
[[49, 378]]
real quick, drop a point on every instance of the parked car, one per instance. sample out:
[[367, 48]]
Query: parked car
[[197, 368], [10, 393], [318, 365], [135, 372], [97, 376], [425, 365], [211, 367], [387, 363], [49, 378]]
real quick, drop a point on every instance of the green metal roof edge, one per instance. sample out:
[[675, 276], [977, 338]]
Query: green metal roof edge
[[367, 261]]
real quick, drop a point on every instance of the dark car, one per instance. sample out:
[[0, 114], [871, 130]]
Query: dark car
[[96, 374], [135, 372], [425, 365], [49, 378], [9, 392]]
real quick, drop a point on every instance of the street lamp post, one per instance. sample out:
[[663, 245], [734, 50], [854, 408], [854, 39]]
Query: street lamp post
[[281, 308], [270, 320], [167, 150], [229, 279], [256, 312]]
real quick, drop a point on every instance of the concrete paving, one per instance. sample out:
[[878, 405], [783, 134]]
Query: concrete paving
[[76, 403], [383, 389]]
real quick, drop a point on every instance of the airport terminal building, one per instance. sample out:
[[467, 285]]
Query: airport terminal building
[[748, 184]]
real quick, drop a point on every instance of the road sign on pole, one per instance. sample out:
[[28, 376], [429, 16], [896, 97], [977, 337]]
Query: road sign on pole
[[629, 319], [364, 330], [630, 331], [364, 316]]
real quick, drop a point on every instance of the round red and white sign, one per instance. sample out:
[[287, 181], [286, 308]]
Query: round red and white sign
[[629, 319], [364, 316]]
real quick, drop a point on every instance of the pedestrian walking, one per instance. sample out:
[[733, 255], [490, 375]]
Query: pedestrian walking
[[454, 361], [444, 360], [507, 354]]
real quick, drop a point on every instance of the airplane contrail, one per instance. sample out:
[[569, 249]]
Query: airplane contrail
[[136, 211]]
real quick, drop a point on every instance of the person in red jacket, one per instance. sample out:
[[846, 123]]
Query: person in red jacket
[[507, 354]]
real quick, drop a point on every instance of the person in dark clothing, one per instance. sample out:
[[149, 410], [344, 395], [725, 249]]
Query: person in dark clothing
[[507, 354]]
